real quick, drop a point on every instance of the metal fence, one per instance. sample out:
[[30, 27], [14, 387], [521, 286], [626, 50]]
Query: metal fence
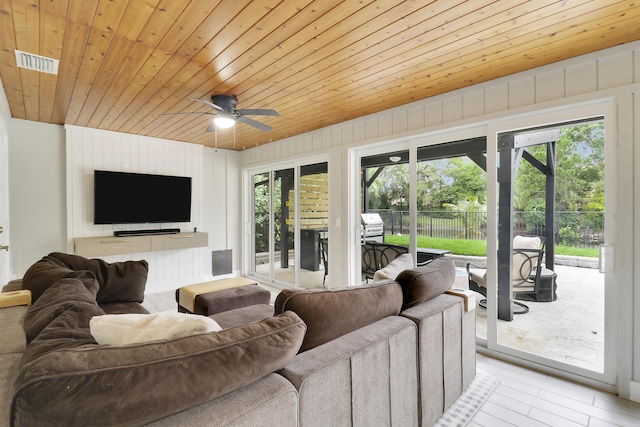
[[576, 229]]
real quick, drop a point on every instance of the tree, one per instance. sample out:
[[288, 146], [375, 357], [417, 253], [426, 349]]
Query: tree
[[579, 172]]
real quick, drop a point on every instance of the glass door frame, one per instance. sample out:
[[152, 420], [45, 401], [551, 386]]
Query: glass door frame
[[248, 260], [607, 379]]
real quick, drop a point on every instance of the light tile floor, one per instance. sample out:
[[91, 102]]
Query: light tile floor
[[527, 398]]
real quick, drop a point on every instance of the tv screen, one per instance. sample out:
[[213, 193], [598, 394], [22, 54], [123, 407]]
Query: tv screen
[[134, 198]]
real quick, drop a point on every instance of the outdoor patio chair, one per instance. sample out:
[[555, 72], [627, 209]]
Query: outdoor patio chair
[[528, 252]]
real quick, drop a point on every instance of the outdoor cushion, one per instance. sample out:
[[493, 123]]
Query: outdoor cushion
[[426, 282], [330, 314], [395, 267]]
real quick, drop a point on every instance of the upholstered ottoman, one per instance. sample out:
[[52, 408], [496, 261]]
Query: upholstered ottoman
[[209, 299]]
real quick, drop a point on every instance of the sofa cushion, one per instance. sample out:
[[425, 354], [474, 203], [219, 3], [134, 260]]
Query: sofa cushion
[[426, 282], [88, 384], [58, 297], [133, 328], [49, 270], [119, 281], [395, 267], [330, 314]]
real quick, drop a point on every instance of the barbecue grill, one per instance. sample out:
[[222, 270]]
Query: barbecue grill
[[372, 228]]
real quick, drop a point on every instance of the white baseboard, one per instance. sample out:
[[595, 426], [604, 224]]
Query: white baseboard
[[634, 391]]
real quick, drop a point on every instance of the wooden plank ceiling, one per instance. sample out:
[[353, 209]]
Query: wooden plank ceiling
[[123, 63]]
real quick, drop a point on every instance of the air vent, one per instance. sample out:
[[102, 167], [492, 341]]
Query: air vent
[[36, 62]]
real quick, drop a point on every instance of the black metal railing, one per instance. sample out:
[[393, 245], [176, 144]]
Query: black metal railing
[[576, 229]]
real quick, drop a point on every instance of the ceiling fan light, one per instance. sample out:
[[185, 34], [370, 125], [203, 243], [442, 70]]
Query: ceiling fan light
[[224, 121]]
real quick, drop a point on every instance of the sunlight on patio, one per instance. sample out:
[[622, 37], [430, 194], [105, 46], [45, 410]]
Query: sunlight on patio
[[569, 330]]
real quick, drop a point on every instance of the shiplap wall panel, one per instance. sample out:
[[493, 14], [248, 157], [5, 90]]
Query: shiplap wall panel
[[452, 109], [433, 113], [415, 117], [521, 92], [90, 149], [549, 85], [400, 122], [581, 78], [496, 98], [615, 70], [359, 131], [473, 104]]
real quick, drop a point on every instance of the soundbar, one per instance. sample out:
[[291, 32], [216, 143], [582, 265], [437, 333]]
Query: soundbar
[[121, 233]]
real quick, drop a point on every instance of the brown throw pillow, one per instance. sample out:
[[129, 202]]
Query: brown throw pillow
[[424, 283], [49, 270], [58, 298], [119, 281], [330, 314]]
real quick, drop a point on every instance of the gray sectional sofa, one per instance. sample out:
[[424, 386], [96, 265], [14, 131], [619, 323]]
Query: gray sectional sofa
[[395, 353]]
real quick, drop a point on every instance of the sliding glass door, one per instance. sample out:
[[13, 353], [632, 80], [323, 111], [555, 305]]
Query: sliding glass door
[[289, 228]]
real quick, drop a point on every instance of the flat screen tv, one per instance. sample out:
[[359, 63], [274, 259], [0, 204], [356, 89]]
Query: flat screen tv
[[135, 198]]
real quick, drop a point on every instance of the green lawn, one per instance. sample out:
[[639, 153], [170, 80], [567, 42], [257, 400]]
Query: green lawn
[[477, 247]]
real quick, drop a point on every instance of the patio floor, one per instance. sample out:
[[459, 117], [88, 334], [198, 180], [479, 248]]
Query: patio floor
[[569, 330]]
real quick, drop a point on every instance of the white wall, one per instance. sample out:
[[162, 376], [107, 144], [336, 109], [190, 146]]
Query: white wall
[[90, 149], [612, 74], [37, 211], [221, 201]]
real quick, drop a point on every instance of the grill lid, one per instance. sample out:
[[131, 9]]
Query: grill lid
[[371, 219]]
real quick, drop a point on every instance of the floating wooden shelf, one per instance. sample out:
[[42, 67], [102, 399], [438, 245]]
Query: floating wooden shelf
[[111, 245]]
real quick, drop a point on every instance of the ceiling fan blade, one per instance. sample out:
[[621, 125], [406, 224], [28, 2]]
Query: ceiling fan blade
[[258, 112], [186, 112], [211, 127], [209, 103], [254, 123]]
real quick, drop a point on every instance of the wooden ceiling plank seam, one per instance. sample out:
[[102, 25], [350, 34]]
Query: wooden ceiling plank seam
[[200, 83], [148, 41], [518, 60], [530, 42], [205, 87], [193, 70], [333, 23], [11, 79], [457, 53], [444, 86], [26, 16], [348, 55], [189, 20], [108, 17], [124, 39], [514, 61], [53, 27], [354, 68], [76, 34], [195, 42], [319, 47], [267, 25], [382, 74]]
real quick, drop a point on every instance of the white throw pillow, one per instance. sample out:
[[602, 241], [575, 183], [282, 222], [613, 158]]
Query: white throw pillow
[[125, 329], [523, 262], [395, 267]]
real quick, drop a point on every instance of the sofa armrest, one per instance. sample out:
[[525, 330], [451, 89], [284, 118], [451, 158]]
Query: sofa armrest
[[15, 298]]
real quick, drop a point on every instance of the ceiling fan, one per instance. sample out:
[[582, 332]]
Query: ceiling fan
[[227, 115]]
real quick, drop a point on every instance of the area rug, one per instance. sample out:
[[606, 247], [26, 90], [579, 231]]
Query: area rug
[[466, 406]]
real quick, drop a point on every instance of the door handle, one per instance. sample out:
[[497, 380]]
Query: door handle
[[6, 248]]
